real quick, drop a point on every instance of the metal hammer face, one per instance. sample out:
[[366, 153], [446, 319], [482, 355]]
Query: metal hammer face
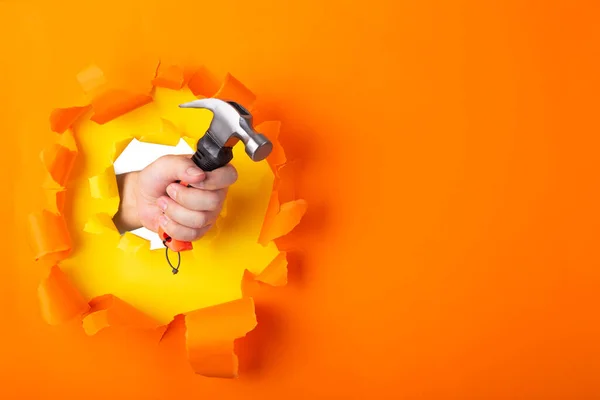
[[230, 124]]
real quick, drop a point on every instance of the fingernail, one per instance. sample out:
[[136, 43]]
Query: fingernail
[[171, 191], [193, 171], [162, 220], [162, 204]]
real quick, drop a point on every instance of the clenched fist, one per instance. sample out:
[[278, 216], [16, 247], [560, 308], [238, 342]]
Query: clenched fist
[[151, 198]]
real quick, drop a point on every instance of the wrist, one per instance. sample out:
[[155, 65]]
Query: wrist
[[127, 218]]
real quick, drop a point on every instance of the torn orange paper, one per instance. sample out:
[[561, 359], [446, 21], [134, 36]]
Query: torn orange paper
[[67, 139], [50, 237], [281, 219], [58, 161], [260, 114], [212, 331], [210, 336], [108, 310], [55, 200], [203, 83], [59, 300], [116, 102], [250, 286], [169, 76], [234, 90], [276, 272], [62, 119], [285, 178], [188, 73], [175, 328], [271, 130]]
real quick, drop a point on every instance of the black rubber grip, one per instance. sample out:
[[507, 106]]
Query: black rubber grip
[[210, 156]]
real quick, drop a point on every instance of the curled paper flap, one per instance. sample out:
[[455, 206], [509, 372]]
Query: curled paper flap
[[49, 236], [108, 310], [232, 89], [275, 274], [55, 200], [281, 219], [175, 328], [59, 300], [210, 335], [100, 224], [62, 119], [59, 160], [104, 185], [118, 148], [203, 83], [169, 76], [115, 102]]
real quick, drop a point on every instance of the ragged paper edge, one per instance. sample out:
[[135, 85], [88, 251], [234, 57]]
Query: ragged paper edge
[[100, 224], [49, 237], [104, 185], [210, 351], [110, 311], [62, 119], [168, 134], [274, 274], [59, 160], [60, 302]]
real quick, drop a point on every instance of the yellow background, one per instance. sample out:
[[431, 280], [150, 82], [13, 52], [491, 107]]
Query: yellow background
[[449, 160]]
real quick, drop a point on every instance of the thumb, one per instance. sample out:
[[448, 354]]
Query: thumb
[[168, 169]]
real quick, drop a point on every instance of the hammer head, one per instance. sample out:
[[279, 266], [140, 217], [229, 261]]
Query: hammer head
[[231, 123]]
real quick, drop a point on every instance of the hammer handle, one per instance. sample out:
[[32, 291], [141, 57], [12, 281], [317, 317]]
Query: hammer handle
[[205, 159]]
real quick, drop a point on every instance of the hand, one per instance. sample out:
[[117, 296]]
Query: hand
[[151, 198]]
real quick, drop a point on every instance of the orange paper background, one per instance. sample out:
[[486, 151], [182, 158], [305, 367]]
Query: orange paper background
[[450, 162]]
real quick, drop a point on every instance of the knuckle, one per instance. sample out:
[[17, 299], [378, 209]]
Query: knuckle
[[172, 229], [199, 220], [211, 218], [212, 200], [184, 234], [171, 160], [171, 213], [178, 193], [164, 159], [175, 229], [195, 234], [189, 198]]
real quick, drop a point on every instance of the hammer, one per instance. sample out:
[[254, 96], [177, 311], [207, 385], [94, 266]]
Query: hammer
[[231, 123]]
